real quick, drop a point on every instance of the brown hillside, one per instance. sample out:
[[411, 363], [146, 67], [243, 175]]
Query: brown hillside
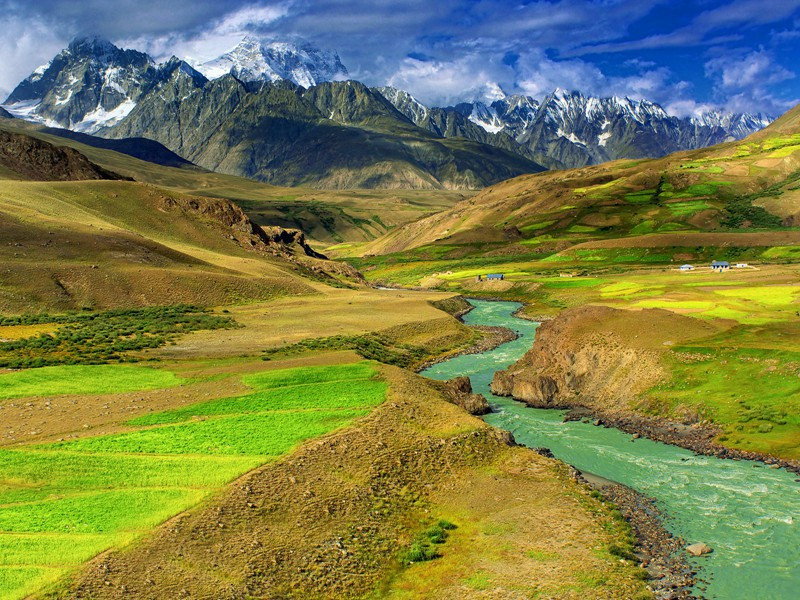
[[34, 159], [695, 191]]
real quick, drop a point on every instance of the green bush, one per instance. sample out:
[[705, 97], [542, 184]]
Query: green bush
[[100, 337]]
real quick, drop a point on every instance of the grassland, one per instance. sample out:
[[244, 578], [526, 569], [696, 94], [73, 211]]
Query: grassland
[[83, 379], [328, 217], [63, 502], [99, 337], [740, 373]]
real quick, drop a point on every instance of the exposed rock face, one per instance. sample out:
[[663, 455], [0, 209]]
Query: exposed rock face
[[574, 362], [335, 135], [35, 159], [459, 392], [289, 244], [88, 84], [568, 129]]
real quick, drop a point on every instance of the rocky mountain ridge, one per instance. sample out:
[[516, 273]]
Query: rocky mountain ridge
[[569, 130]]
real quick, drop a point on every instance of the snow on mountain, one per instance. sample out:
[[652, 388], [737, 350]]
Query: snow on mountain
[[404, 102], [88, 85], [486, 117], [93, 85], [568, 129], [260, 60]]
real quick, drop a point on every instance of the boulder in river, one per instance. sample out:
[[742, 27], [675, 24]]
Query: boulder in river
[[699, 549]]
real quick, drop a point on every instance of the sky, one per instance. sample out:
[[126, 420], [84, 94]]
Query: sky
[[739, 55]]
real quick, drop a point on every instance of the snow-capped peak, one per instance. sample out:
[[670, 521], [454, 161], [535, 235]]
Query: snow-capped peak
[[255, 59], [404, 102], [486, 117]]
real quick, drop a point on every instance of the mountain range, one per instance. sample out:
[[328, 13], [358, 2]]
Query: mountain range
[[285, 113], [568, 130]]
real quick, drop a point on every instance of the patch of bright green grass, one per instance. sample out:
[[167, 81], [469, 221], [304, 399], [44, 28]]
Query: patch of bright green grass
[[629, 289], [672, 227], [19, 582], [541, 555], [596, 188], [336, 394], [572, 282], [685, 209], [305, 375], [770, 295], [698, 305], [781, 141], [84, 379], [755, 399], [98, 512], [62, 503], [235, 435], [536, 226], [785, 151], [581, 229], [647, 226], [641, 197], [784, 252], [57, 549], [52, 471]]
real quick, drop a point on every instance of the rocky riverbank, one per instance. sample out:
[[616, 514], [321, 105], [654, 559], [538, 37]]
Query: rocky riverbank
[[597, 362], [660, 553]]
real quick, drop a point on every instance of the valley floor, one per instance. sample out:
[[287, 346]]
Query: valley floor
[[310, 474]]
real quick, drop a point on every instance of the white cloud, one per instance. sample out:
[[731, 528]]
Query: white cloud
[[216, 39], [754, 69], [448, 82], [26, 44], [741, 80]]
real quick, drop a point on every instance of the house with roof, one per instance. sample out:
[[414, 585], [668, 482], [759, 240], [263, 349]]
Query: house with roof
[[495, 276], [686, 268], [720, 265]]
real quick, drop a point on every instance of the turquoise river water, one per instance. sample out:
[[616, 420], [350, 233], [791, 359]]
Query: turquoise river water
[[744, 510]]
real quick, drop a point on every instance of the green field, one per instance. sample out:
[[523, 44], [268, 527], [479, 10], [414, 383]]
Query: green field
[[84, 379], [61, 503]]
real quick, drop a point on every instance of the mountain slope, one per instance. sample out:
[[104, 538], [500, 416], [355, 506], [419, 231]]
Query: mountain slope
[[24, 157], [336, 135], [88, 84], [69, 240], [141, 148], [570, 130], [734, 187]]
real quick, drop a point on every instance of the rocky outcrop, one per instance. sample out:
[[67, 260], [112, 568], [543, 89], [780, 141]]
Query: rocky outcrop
[[699, 549], [578, 361], [288, 244], [458, 391], [34, 159], [598, 362]]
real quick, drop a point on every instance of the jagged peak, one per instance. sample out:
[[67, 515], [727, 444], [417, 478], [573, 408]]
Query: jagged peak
[[91, 43], [175, 64]]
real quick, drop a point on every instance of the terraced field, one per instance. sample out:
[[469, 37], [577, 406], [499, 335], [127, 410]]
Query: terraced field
[[63, 502]]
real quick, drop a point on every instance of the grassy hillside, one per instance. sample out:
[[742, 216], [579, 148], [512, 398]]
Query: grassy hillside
[[326, 216], [686, 203]]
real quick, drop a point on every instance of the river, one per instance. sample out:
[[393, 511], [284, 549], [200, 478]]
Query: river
[[747, 512]]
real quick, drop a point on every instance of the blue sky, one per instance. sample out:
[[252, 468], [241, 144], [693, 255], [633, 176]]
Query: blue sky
[[688, 56]]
